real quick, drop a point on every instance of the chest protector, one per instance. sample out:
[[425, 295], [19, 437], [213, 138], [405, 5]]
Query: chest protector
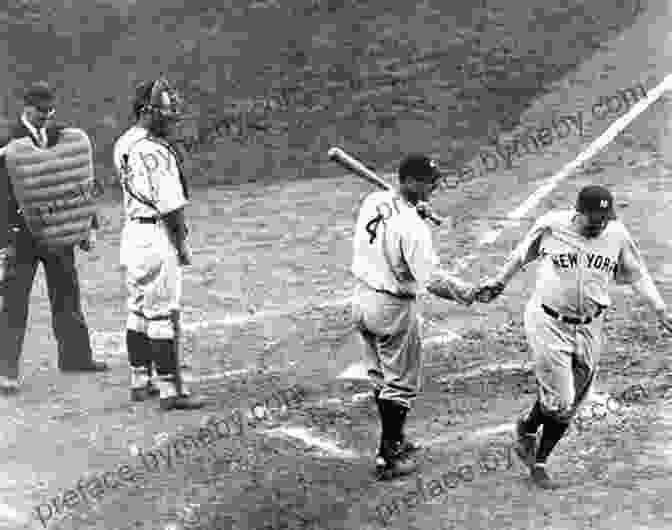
[[54, 187]]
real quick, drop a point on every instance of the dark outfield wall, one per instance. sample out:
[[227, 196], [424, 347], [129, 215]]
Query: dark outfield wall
[[273, 84]]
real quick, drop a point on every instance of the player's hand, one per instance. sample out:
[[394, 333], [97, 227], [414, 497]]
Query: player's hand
[[184, 256], [424, 209], [488, 290], [665, 318], [88, 244]]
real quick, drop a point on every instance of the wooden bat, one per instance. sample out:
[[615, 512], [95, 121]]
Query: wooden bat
[[350, 163]]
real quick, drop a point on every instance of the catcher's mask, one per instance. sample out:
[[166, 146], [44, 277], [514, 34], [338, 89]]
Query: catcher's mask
[[160, 98]]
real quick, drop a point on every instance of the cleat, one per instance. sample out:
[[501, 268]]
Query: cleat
[[181, 402], [408, 447], [144, 393], [540, 477], [392, 463], [526, 446]]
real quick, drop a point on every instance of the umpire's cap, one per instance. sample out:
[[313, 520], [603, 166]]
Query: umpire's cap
[[419, 167], [39, 94], [596, 198]]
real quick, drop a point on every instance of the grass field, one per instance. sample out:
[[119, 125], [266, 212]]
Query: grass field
[[266, 300]]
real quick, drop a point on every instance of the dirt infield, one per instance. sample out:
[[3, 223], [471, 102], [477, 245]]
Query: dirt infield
[[266, 302]]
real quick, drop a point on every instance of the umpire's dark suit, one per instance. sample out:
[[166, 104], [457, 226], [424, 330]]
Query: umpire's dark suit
[[69, 325]]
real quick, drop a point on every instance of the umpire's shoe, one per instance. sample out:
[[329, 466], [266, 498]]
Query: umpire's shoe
[[526, 445], [540, 477], [9, 386], [91, 366], [393, 462]]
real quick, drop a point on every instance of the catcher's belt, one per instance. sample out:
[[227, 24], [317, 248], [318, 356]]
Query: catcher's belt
[[55, 187]]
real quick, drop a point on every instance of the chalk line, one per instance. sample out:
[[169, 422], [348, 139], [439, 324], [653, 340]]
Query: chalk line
[[326, 446], [595, 147]]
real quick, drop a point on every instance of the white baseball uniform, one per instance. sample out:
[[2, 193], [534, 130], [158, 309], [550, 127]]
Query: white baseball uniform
[[573, 280], [150, 176], [393, 258]]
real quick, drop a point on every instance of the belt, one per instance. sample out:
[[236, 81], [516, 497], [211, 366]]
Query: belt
[[402, 296], [571, 320], [145, 220]]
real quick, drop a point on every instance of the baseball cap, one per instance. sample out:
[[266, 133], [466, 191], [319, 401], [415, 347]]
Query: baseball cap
[[39, 94], [595, 198], [421, 167]]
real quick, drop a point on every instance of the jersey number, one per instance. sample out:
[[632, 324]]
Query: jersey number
[[385, 211]]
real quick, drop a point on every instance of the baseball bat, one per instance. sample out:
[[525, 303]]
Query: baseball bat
[[336, 154]]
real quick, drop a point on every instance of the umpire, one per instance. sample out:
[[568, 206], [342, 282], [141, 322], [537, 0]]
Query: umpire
[[21, 254]]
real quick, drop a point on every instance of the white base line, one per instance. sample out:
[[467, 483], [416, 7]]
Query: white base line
[[595, 147], [328, 447]]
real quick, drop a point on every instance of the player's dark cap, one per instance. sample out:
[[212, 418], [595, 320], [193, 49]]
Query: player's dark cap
[[39, 94], [419, 167], [595, 198]]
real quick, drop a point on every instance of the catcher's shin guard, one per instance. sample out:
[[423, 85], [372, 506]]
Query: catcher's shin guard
[[139, 350]]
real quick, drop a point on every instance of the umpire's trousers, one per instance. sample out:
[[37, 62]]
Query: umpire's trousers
[[68, 322]]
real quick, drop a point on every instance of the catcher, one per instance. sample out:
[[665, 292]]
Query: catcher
[[394, 261], [580, 251], [154, 244]]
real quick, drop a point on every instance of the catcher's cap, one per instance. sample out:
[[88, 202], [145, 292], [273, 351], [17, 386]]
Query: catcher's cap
[[39, 94], [160, 96], [419, 167], [595, 198]]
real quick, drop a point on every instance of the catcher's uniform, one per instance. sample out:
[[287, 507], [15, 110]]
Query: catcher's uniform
[[564, 317], [152, 186], [393, 259]]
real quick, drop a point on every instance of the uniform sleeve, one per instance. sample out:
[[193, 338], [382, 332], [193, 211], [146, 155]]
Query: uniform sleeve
[[164, 178], [527, 250], [631, 266], [418, 251]]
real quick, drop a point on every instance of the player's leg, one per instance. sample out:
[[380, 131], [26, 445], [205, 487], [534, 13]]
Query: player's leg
[[139, 271], [553, 344], [400, 351], [164, 333], [379, 320]]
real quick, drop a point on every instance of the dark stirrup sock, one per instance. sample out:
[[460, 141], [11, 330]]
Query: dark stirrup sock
[[553, 432], [534, 419]]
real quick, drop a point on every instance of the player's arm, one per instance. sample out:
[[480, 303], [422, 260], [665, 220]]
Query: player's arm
[[424, 265], [632, 270], [525, 252], [170, 203]]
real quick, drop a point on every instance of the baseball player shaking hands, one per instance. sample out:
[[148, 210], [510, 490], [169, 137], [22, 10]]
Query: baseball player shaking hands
[[394, 261], [579, 252], [154, 244]]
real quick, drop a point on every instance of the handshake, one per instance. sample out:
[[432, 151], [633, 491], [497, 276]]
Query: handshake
[[450, 287]]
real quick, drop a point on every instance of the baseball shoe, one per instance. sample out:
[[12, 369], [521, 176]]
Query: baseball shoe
[[9, 386], [409, 447], [526, 446], [392, 462], [541, 478], [144, 393], [180, 402], [92, 366]]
